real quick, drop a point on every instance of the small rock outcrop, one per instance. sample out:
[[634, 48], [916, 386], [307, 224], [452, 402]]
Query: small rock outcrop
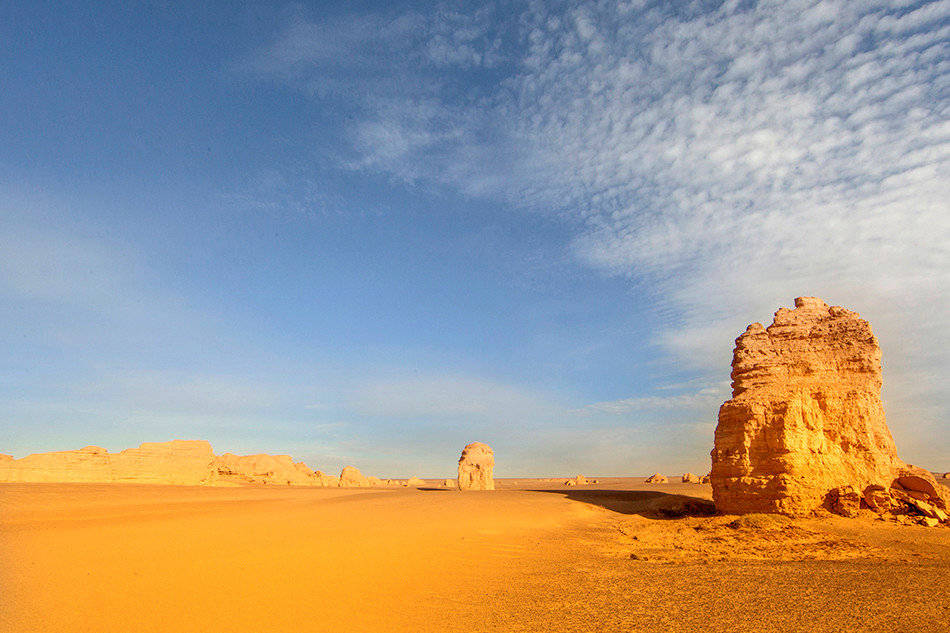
[[266, 469], [415, 482], [351, 477], [656, 478], [476, 467], [805, 427], [690, 478]]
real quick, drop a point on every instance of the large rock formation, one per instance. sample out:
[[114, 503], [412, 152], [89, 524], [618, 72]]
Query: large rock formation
[[476, 467], [805, 426], [182, 462]]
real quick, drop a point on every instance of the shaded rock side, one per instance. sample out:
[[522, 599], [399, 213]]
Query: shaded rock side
[[178, 462], [476, 467], [805, 418]]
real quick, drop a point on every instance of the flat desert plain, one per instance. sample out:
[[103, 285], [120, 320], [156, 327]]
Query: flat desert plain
[[532, 556]]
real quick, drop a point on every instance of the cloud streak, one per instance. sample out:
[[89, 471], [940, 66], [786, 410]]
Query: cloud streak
[[733, 154]]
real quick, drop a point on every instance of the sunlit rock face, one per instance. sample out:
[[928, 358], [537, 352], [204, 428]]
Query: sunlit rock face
[[266, 469], [181, 462], [351, 477], [805, 416], [476, 467]]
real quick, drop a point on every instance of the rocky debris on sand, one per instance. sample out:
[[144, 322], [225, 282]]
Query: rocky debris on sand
[[690, 478], [805, 427], [476, 467], [351, 477], [656, 478]]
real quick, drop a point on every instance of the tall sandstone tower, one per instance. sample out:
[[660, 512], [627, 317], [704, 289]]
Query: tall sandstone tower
[[805, 416]]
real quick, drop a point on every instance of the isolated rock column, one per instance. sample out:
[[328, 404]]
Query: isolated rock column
[[805, 416], [476, 467]]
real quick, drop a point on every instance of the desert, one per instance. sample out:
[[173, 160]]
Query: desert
[[808, 521], [600, 316], [529, 556]]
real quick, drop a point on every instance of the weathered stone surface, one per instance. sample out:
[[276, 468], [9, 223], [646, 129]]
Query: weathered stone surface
[[805, 427], [656, 478], [180, 462], [476, 467], [846, 501], [806, 415], [690, 478]]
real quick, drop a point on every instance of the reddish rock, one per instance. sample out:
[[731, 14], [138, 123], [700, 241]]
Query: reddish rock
[[845, 501]]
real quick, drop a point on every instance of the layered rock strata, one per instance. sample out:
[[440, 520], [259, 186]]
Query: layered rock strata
[[805, 427]]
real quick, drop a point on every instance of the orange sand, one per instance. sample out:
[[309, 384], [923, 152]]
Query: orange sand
[[114, 557]]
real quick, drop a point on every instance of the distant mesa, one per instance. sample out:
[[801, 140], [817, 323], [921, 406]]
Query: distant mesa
[[656, 478], [476, 467], [178, 462], [805, 427]]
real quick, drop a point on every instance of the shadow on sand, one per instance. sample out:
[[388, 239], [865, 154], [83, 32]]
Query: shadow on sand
[[647, 503]]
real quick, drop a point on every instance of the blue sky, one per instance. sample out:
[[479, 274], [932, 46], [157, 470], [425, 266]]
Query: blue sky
[[370, 233]]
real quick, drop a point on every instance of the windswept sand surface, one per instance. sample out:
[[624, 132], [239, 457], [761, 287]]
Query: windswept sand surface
[[532, 556]]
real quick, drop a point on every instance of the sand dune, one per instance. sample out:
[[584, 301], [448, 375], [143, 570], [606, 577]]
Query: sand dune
[[532, 556]]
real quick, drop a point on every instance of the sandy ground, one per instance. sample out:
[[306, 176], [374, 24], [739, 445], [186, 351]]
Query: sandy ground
[[532, 556]]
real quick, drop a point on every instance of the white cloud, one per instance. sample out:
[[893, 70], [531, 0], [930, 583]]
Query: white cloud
[[735, 157]]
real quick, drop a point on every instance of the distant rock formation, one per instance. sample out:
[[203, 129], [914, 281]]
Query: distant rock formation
[[415, 482], [656, 478], [476, 467], [181, 462], [450, 483], [178, 462], [690, 478], [351, 477], [266, 469], [805, 427]]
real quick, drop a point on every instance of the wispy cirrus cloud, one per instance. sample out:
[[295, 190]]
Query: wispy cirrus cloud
[[733, 155]]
